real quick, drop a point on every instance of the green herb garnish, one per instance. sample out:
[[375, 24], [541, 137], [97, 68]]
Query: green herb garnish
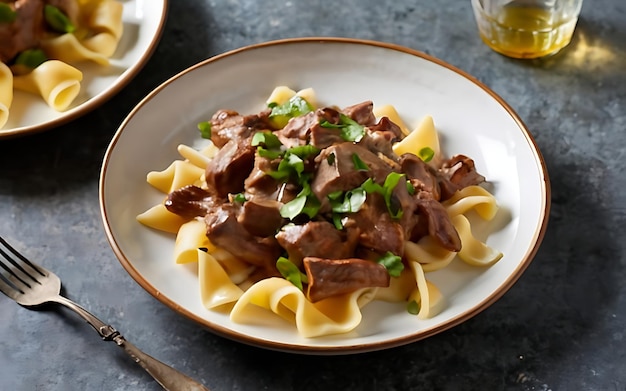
[[205, 129], [392, 263], [31, 58], [291, 272], [426, 154], [57, 20], [350, 129], [359, 164], [413, 307], [294, 107], [7, 14], [239, 198]]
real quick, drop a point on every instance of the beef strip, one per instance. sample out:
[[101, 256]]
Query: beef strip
[[330, 277], [422, 176], [227, 125], [440, 227], [316, 239], [190, 201], [230, 166], [378, 231], [225, 231], [461, 171], [336, 169], [261, 217], [363, 113]]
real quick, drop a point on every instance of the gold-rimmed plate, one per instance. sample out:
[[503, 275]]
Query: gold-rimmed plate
[[471, 119]]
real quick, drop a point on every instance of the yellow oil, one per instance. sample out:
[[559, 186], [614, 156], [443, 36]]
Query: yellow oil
[[527, 32]]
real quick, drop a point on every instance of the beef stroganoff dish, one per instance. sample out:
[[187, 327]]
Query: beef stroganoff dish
[[44, 42], [312, 211]]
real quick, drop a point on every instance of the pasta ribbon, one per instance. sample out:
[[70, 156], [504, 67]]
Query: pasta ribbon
[[472, 197], [427, 295], [68, 48], [428, 253], [423, 136], [473, 251], [57, 82], [158, 217], [178, 174], [191, 236], [198, 158], [6, 93], [216, 287], [334, 315]]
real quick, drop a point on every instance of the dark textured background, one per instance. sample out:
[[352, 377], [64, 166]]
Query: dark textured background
[[561, 327]]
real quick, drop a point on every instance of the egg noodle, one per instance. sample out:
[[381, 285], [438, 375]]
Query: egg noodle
[[57, 81], [224, 279]]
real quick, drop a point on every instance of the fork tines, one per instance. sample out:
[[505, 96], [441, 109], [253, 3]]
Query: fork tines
[[17, 268]]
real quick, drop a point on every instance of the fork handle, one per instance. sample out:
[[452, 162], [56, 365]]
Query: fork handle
[[169, 378]]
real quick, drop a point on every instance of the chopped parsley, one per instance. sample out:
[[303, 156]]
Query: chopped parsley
[[426, 154], [350, 129], [392, 263], [205, 129], [291, 272], [294, 107], [7, 14], [31, 58], [57, 20]]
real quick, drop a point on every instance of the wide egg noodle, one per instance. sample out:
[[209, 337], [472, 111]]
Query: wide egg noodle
[[6, 93], [106, 21], [178, 174], [334, 315], [472, 198], [190, 237], [159, 218], [474, 251], [68, 48], [428, 253], [216, 287], [55, 81], [427, 295]]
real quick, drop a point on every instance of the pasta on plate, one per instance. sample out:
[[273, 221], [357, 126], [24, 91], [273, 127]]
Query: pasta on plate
[[41, 58], [311, 213]]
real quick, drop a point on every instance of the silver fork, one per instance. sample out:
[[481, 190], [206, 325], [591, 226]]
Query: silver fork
[[31, 285]]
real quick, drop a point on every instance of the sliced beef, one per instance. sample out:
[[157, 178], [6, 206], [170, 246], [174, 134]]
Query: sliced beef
[[363, 113], [381, 137], [378, 231], [261, 217], [227, 125], [225, 231], [316, 239], [461, 171], [308, 129], [330, 277], [230, 166], [336, 169], [422, 176], [440, 227], [190, 201]]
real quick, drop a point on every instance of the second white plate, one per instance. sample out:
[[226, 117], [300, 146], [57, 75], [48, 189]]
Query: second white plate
[[143, 24]]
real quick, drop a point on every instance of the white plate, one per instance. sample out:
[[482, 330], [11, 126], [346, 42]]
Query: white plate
[[143, 23], [471, 118]]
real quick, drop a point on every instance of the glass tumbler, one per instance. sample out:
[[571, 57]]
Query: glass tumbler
[[526, 28]]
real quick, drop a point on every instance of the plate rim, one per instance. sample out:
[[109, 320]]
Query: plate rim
[[101, 98], [538, 235]]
